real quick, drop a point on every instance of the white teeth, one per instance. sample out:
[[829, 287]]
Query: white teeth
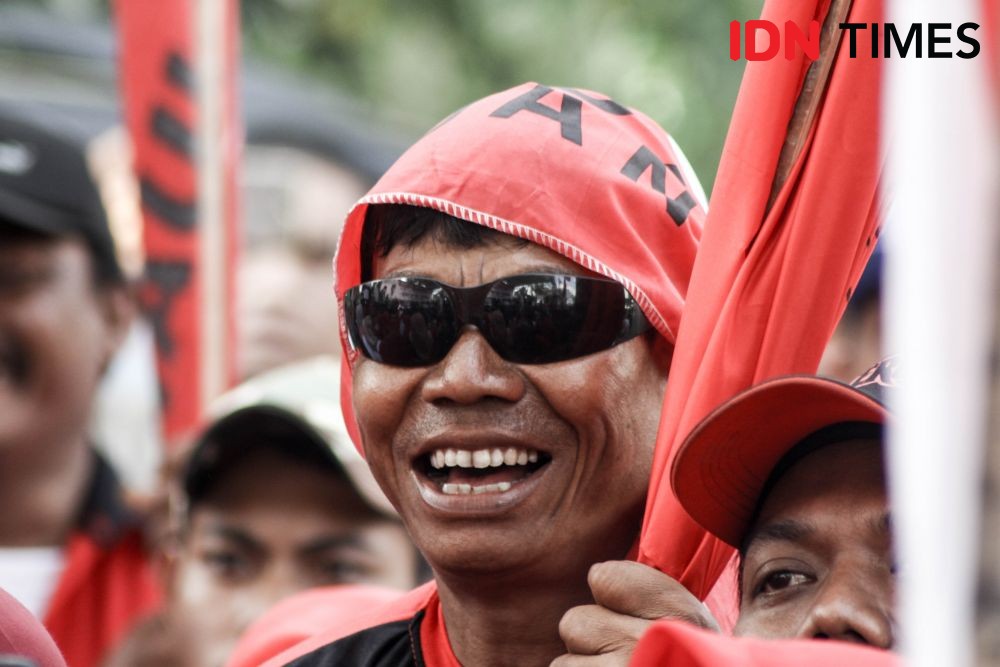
[[488, 488], [481, 458], [456, 489]]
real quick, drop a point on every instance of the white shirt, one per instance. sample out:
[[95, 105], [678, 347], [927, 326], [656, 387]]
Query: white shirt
[[30, 574]]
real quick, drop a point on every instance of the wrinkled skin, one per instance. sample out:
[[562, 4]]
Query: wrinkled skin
[[628, 597], [819, 562], [595, 416]]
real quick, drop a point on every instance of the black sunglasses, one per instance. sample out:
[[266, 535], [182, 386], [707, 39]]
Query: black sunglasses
[[527, 319]]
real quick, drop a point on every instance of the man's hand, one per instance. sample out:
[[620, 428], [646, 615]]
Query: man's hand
[[629, 597]]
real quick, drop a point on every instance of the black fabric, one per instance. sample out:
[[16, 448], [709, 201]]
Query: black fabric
[[104, 516], [395, 644], [46, 185]]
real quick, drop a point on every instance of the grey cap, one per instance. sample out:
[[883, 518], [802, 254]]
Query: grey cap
[[304, 396]]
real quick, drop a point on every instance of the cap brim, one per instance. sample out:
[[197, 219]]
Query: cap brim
[[213, 452], [723, 464], [23, 213]]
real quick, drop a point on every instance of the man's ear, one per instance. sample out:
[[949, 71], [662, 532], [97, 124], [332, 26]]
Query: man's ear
[[118, 308]]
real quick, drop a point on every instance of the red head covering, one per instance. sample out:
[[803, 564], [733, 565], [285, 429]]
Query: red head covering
[[570, 170]]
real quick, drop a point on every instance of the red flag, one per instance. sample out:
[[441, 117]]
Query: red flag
[[158, 82], [769, 286]]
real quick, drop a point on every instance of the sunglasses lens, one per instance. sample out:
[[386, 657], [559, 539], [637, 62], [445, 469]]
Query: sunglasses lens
[[401, 321], [542, 319]]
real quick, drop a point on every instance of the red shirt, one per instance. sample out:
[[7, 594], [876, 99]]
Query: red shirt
[[107, 582]]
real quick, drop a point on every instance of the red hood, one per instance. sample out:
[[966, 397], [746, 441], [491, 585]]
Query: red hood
[[569, 170]]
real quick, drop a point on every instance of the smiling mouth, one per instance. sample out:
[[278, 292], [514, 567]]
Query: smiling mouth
[[457, 472]]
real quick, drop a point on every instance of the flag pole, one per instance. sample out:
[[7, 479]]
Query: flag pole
[[210, 45], [219, 139]]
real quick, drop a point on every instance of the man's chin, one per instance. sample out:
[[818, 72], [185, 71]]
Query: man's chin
[[506, 556]]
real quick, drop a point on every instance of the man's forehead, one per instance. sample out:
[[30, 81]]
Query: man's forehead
[[433, 257], [835, 475]]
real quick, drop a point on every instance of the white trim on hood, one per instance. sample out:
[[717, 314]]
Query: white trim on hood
[[522, 231]]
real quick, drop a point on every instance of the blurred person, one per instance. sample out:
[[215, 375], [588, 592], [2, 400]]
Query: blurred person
[[512, 288], [791, 472], [858, 337], [71, 550], [296, 202], [273, 499]]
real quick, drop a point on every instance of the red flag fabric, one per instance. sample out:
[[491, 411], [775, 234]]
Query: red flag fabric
[[991, 41], [156, 55], [680, 645], [768, 287]]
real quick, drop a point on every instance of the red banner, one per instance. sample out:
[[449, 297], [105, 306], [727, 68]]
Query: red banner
[[158, 76]]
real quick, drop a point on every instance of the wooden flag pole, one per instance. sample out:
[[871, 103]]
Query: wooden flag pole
[[811, 95]]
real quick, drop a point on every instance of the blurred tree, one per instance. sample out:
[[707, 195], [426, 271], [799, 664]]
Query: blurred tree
[[415, 62], [418, 61]]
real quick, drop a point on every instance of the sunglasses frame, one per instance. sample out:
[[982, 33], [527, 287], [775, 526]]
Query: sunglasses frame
[[469, 309]]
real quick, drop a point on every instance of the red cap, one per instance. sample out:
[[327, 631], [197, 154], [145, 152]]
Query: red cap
[[724, 463]]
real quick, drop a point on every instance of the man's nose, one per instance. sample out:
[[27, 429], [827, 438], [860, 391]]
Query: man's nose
[[473, 371], [851, 608]]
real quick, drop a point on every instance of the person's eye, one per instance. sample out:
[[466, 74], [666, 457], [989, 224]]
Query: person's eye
[[340, 571], [227, 565], [782, 580], [18, 281]]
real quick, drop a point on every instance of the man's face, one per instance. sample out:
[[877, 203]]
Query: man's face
[[57, 332], [819, 562], [587, 427], [272, 527]]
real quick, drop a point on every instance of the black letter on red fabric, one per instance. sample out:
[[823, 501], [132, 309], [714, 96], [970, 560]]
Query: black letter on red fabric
[[568, 116], [642, 160], [165, 280]]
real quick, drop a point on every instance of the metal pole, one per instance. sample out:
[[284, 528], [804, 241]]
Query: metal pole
[[211, 44], [940, 269]]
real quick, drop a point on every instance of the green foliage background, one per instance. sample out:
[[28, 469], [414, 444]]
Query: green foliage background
[[415, 61]]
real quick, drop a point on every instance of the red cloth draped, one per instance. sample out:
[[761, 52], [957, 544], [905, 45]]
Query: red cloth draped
[[769, 287]]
